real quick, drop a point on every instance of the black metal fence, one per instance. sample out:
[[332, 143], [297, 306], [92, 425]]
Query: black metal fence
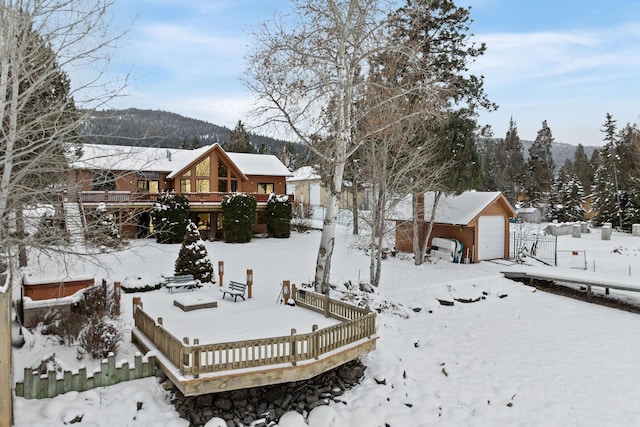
[[541, 247]]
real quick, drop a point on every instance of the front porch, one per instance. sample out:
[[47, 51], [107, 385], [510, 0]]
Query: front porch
[[345, 333]]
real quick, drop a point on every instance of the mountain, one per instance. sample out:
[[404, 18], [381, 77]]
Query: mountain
[[559, 150], [156, 128]]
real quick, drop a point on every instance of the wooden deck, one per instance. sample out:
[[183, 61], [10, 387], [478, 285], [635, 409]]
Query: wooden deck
[[578, 278], [197, 368]]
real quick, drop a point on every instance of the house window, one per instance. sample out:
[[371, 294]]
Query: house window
[[222, 169], [203, 168], [151, 186], [265, 187], [202, 185], [222, 185], [234, 185], [104, 181], [185, 185]]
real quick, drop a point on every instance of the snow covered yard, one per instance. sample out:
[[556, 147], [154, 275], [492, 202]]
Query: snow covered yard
[[517, 357]]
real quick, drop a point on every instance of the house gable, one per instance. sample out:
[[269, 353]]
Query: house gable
[[210, 171]]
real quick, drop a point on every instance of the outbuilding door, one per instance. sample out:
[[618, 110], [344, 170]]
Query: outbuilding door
[[491, 237]]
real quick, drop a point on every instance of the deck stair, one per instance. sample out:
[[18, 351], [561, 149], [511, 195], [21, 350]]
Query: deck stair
[[74, 222]]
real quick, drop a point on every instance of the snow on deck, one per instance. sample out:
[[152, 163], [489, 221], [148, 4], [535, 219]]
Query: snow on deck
[[230, 321]]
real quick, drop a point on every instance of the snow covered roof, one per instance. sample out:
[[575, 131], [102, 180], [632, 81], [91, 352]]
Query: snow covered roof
[[170, 160], [259, 164], [451, 209], [303, 174], [120, 157]]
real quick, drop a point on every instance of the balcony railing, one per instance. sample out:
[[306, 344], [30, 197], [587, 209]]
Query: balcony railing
[[132, 197]]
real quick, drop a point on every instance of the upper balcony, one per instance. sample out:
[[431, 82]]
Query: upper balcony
[[128, 197]]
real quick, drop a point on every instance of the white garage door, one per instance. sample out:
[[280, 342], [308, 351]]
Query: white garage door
[[490, 237]]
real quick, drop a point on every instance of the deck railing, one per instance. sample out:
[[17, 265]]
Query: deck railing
[[132, 197], [195, 358]]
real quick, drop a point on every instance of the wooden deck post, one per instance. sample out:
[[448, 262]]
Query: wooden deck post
[[117, 292], [137, 302], [185, 358], [286, 291], [293, 347], [221, 272], [250, 282], [196, 358], [327, 312], [316, 342]]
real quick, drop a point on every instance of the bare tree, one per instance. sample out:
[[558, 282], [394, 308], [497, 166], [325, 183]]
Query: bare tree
[[307, 73], [40, 41], [394, 163]]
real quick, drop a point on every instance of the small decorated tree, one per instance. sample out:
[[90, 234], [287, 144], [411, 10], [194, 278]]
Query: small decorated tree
[[238, 217], [169, 217], [279, 215], [193, 257]]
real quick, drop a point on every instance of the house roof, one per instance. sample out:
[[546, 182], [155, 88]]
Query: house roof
[[305, 173], [453, 209], [170, 160], [259, 164]]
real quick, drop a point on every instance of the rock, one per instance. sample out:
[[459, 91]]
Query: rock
[[224, 404]]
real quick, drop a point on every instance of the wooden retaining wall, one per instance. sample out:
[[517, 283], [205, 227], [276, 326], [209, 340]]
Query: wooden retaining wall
[[37, 386]]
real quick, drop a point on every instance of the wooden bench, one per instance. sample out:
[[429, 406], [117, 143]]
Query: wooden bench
[[235, 289], [184, 281]]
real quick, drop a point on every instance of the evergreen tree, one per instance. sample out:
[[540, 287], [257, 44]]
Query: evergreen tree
[[582, 168], [239, 140], [606, 196], [565, 199], [510, 163], [169, 217], [38, 132], [193, 257], [190, 144], [458, 150], [541, 167], [573, 194]]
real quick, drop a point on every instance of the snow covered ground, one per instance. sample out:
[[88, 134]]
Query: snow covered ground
[[518, 357]]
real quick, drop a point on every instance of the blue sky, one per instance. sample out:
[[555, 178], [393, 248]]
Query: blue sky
[[565, 61]]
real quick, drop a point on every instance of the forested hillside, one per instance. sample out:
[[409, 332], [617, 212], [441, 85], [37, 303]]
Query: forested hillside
[[161, 129]]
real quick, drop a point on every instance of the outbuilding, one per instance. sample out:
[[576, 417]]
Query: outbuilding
[[479, 220]]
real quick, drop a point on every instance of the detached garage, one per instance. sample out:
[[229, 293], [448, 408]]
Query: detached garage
[[479, 220]]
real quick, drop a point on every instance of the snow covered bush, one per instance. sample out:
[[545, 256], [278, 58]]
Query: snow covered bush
[[100, 337], [279, 215], [89, 323], [238, 217], [169, 217], [193, 257]]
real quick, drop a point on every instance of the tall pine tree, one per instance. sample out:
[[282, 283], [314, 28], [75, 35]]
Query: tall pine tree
[[540, 167], [239, 140], [582, 168], [606, 190], [512, 167]]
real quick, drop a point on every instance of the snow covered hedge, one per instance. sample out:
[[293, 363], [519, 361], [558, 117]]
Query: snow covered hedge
[[238, 217], [170, 216], [279, 212]]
